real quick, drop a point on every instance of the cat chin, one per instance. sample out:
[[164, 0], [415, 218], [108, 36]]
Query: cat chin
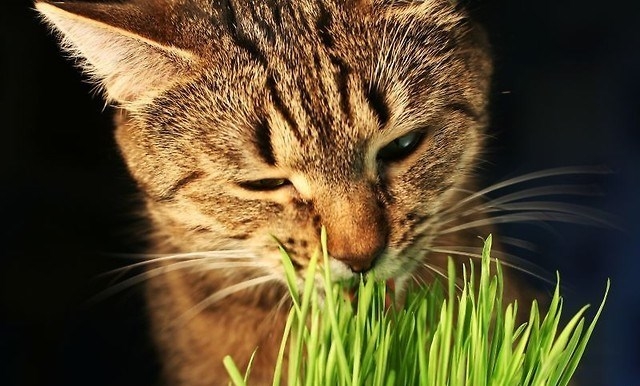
[[340, 271]]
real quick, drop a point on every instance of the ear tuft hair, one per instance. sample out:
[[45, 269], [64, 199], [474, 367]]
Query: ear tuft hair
[[128, 67]]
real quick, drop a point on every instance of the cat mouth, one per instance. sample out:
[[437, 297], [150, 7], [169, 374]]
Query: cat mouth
[[389, 297]]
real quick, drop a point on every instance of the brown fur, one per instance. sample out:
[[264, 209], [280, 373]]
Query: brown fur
[[213, 94]]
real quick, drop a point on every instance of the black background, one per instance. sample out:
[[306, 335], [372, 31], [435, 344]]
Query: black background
[[566, 93]]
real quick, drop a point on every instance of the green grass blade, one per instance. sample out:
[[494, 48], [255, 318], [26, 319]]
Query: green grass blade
[[233, 371]]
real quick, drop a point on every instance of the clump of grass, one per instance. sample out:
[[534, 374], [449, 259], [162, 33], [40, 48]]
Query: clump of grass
[[441, 336]]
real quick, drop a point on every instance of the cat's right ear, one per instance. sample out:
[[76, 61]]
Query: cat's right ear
[[112, 47]]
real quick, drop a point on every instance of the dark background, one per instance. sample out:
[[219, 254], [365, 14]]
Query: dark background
[[566, 93]]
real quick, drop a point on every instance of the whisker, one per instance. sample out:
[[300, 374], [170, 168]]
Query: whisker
[[562, 171], [503, 262], [544, 191], [518, 243], [223, 293], [205, 258], [531, 217], [149, 274], [442, 274], [419, 281], [223, 254], [597, 217], [501, 256], [284, 300]]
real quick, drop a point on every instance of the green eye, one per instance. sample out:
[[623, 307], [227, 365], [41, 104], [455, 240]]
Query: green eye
[[400, 147], [265, 184]]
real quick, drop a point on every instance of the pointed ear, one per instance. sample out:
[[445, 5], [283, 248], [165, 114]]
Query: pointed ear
[[107, 39]]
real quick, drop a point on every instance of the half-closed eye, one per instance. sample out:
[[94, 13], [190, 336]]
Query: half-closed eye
[[400, 147], [265, 185]]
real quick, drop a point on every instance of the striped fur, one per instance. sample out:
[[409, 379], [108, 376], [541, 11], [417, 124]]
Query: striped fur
[[215, 94]]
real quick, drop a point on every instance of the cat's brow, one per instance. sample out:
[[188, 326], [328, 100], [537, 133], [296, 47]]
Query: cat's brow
[[466, 109], [342, 81], [282, 108], [170, 193], [378, 104], [263, 142]]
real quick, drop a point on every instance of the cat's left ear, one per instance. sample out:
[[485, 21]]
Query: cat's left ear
[[117, 50]]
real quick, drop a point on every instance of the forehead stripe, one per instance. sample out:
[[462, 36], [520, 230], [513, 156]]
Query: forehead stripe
[[229, 16], [282, 108], [263, 142], [342, 81], [378, 103]]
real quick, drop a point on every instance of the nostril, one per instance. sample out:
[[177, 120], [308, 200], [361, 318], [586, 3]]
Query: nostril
[[359, 268], [362, 264]]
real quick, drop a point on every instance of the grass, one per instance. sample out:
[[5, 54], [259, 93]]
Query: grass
[[441, 336]]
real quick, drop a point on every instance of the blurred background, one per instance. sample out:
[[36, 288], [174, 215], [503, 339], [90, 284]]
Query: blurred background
[[566, 93]]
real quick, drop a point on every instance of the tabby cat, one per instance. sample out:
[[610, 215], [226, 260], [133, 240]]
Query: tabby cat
[[245, 120]]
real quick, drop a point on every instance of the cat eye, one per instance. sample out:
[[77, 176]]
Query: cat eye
[[266, 184], [400, 147]]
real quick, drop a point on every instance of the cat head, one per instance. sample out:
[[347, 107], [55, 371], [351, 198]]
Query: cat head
[[244, 120]]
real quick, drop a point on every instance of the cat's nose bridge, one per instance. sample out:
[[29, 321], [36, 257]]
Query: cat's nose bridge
[[357, 229]]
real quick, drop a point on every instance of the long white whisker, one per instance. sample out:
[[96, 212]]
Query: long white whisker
[[137, 279], [502, 261], [223, 293], [282, 302], [588, 214], [545, 191], [505, 258], [525, 178], [206, 258], [541, 217], [440, 273], [420, 281], [518, 243], [223, 254]]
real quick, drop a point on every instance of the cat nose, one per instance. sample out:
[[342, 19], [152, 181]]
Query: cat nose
[[357, 228], [361, 264], [358, 249]]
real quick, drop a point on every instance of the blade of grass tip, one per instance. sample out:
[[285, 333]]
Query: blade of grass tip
[[249, 365], [233, 371], [564, 336], [484, 308], [550, 360], [549, 326], [532, 354], [521, 336], [331, 310], [573, 364], [488, 289], [499, 324], [290, 276], [566, 354], [551, 344], [503, 348]]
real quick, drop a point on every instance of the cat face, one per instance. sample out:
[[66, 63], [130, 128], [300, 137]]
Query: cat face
[[242, 122]]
